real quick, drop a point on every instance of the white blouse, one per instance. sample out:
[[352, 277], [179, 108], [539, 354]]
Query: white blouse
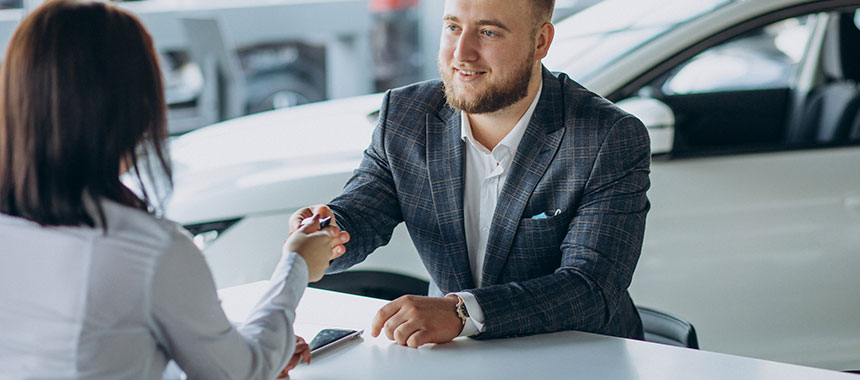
[[76, 303]]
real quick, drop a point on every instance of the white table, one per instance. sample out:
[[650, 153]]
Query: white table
[[563, 355]]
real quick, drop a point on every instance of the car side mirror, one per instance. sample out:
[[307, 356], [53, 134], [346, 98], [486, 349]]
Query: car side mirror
[[658, 118]]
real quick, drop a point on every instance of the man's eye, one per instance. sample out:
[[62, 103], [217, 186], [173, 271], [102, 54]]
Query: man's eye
[[452, 28], [489, 33]]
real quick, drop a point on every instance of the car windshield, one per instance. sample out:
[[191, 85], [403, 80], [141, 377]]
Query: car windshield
[[600, 35]]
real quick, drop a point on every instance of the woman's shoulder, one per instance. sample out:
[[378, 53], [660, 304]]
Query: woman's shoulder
[[142, 228]]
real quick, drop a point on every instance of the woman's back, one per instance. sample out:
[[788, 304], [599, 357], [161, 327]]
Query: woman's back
[[103, 289], [76, 301]]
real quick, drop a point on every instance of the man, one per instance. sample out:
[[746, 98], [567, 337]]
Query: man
[[523, 192]]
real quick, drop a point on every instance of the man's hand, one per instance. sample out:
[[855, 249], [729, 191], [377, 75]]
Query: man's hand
[[415, 320], [302, 352], [323, 211]]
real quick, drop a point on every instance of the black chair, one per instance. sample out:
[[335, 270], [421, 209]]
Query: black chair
[[667, 329], [385, 285]]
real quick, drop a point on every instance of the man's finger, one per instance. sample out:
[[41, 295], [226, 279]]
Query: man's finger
[[417, 339], [325, 212], [332, 231], [337, 251], [382, 316], [390, 326], [338, 238], [404, 331], [338, 248]]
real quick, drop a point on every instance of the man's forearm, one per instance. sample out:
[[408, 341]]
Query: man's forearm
[[565, 300]]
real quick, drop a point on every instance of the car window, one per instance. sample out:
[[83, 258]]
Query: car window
[[765, 58], [745, 94], [590, 40]]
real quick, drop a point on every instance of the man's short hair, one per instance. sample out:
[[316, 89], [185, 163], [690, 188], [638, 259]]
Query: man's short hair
[[542, 11]]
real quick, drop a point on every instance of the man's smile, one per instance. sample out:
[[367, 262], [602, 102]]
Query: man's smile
[[468, 75]]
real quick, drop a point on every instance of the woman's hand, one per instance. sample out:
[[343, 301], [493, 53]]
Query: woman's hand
[[314, 245], [302, 216], [303, 351]]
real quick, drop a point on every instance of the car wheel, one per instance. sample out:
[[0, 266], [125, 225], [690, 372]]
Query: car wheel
[[273, 91]]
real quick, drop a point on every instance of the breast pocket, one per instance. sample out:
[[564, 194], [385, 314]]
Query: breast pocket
[[536, 250]]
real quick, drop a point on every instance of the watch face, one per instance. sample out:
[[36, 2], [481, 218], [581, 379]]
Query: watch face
[[461, 309]]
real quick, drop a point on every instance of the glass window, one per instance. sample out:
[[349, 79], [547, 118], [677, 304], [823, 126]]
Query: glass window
[[766, 58], [741, 95], [592, 39]]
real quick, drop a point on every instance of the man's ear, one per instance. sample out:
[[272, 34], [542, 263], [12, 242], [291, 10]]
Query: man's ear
[[544, 40]]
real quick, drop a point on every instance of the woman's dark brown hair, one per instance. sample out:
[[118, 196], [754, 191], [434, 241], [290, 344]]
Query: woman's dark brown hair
[[81, 98]]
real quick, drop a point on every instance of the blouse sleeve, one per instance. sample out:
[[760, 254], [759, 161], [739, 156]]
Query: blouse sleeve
[[189, 324]]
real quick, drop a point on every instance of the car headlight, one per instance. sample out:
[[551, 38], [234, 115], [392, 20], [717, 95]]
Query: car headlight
[[205, 234]]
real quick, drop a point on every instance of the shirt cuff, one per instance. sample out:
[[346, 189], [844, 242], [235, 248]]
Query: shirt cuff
[[475, 323], [291, 268]]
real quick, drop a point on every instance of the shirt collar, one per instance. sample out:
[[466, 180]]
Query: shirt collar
[[512, 139]]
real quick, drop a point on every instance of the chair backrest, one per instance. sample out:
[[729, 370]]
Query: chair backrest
[[668, 329], [854, 133], [830, 113], [374, 284], [829, 109]]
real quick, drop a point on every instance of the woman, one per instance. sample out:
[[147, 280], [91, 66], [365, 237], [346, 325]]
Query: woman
[[92, 284]]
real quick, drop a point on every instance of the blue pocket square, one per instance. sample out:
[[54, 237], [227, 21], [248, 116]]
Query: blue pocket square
[[544, 215]]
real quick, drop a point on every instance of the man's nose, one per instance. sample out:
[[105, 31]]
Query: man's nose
[[466, 49]]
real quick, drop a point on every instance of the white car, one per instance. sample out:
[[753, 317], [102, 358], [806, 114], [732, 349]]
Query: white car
[[752, 106]]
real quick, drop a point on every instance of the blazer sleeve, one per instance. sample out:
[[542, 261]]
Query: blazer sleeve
[[368, 208], [599, 252]]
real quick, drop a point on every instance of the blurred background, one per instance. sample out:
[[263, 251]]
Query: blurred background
[[752, 107], [228, 58]]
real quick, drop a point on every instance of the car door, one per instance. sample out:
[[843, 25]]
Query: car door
[[754, 238]]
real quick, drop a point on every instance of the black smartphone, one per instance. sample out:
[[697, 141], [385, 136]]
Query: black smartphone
[[328, 338]]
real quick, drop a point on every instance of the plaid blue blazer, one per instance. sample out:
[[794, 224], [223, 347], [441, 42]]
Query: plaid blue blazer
[[580, 154]]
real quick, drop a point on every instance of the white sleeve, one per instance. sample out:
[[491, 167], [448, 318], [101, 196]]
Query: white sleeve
[[475, 322], [189, 324]]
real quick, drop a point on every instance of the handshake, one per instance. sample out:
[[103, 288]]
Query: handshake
[[409, 320], [315, 237]]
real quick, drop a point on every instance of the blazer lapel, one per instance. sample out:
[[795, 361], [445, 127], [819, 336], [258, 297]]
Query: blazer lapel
[[534, 155], [445, 163]]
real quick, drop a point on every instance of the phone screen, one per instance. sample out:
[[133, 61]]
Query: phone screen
[[328, 337]]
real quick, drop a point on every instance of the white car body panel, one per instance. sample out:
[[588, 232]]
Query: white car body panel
[[769, 270], [786, 246], [258, 167], [243, 164]]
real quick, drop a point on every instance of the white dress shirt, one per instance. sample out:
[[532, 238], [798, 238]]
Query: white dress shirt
[[76, 303], [485, 175]]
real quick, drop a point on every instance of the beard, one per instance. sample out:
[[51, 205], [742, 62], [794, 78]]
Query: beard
[[498, 95]]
